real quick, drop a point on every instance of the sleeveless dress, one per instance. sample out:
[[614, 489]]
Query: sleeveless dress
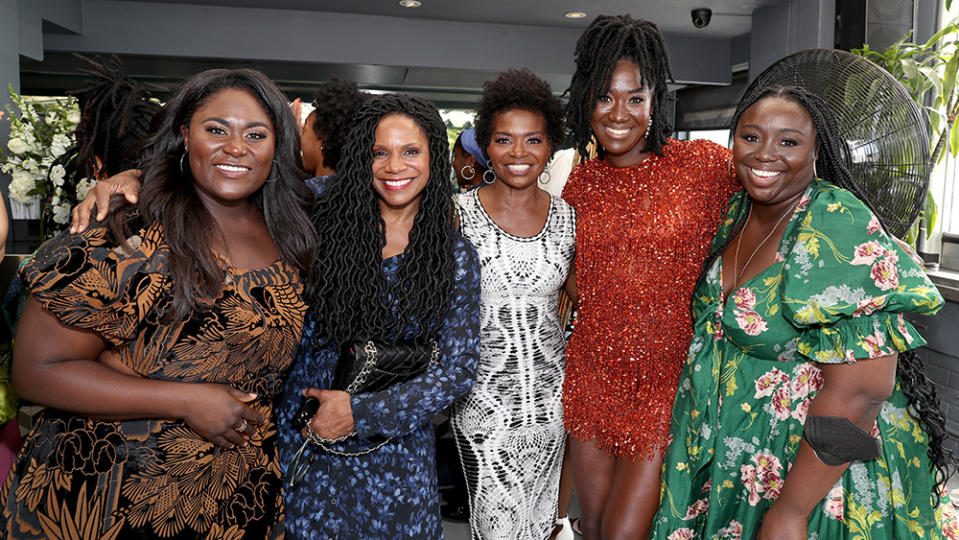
[[642, 234], [836, 292], [509, 429], [80, 477]]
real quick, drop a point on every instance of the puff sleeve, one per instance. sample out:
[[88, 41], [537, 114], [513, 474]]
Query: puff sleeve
[[847, 284], [90, 283]]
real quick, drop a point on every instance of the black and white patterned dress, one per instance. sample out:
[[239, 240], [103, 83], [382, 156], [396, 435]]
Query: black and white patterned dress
[[509, 429]]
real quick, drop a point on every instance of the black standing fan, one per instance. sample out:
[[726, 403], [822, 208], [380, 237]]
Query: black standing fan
[[886, 131]]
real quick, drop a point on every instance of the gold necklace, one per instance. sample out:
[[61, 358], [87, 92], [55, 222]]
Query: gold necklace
[[739, 241]]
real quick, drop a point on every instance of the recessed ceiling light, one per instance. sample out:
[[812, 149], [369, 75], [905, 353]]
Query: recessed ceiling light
[[410, 3], [574, 14]]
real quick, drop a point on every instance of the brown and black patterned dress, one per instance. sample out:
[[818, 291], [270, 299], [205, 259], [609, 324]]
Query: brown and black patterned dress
[[80, 477]]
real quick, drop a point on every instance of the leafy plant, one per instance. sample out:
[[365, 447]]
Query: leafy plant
[[928, 71]]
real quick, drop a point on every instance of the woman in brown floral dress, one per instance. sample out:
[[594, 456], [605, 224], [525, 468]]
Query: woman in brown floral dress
[[158, 353]]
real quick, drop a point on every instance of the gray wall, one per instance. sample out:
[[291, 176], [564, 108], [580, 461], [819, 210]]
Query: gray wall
[[9, 74], [790, 26], [942, 363]]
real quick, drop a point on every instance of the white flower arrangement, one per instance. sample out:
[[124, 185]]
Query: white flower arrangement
[[39, 134]]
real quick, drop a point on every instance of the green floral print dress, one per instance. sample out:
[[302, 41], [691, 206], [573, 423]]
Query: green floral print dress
[[836, 292]]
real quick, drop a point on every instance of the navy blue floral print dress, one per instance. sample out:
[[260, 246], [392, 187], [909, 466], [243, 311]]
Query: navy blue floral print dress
[[391, 492]]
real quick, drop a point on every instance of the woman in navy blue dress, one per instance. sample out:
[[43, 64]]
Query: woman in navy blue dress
[[390, 267]]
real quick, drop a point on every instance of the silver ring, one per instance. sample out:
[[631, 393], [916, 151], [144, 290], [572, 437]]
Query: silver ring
[[242, 426]]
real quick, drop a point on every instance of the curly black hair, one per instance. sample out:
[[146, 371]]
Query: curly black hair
[[606, 41], [832, 166], [519, 89], [351, 297], [336, 101], [169, 192]]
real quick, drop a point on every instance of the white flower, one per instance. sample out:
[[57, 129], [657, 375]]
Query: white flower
[[83, 187], [50, 118], [60, 144], [21, 183], [30, 164], [61, 213], [56, 174], [73, 116], [17, 145]]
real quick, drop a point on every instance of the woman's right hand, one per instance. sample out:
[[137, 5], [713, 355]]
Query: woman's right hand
[[215, 411], [125, 184]]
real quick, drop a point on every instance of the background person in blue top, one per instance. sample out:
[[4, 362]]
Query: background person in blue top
[[390, 267]]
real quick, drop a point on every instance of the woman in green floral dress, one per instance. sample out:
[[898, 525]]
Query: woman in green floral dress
[[799, 315]]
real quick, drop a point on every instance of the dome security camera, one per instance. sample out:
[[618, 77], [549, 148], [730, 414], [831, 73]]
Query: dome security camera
[[701, 17]]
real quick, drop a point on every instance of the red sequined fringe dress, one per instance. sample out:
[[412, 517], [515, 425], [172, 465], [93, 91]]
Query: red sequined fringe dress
[[642, 234]]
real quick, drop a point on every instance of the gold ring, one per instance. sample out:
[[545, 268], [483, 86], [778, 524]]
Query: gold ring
[[242, 426]]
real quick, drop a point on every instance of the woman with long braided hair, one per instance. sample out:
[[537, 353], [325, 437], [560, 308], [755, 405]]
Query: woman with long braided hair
[[647, 207], [803, 410], [390, 267]]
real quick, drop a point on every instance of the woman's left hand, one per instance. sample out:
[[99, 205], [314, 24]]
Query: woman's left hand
[[781, 524], [334, 418]]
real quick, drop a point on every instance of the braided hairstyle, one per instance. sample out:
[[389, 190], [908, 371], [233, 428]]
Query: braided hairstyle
[[519, 89], [115, 116], [336, 101], [169, 193], [833, 166], [606, 41], [351, 297]]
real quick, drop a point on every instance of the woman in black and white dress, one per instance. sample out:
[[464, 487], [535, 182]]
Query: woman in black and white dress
[[510, 427]]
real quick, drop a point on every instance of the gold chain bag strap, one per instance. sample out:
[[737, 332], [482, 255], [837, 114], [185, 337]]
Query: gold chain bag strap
[[366, 367]]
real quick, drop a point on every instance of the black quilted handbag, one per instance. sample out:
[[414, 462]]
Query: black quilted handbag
[[366, 366]]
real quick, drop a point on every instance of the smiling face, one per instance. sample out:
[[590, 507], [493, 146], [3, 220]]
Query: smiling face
[[401, 161], [518, 148], [774, 151], [230, 143], [621, 116]]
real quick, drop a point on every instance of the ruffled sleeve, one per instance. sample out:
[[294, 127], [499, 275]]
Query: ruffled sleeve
[[847, 284], [88, 282]]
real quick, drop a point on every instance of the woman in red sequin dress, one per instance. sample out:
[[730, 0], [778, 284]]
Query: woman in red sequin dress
[[647, 208]]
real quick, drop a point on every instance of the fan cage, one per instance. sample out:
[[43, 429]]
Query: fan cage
[[887, 134]]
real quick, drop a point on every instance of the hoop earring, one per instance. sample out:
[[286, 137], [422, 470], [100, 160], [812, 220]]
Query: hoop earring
[[814, 173], [463, 172], [548, 178], [182, 161], [487, 180]]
